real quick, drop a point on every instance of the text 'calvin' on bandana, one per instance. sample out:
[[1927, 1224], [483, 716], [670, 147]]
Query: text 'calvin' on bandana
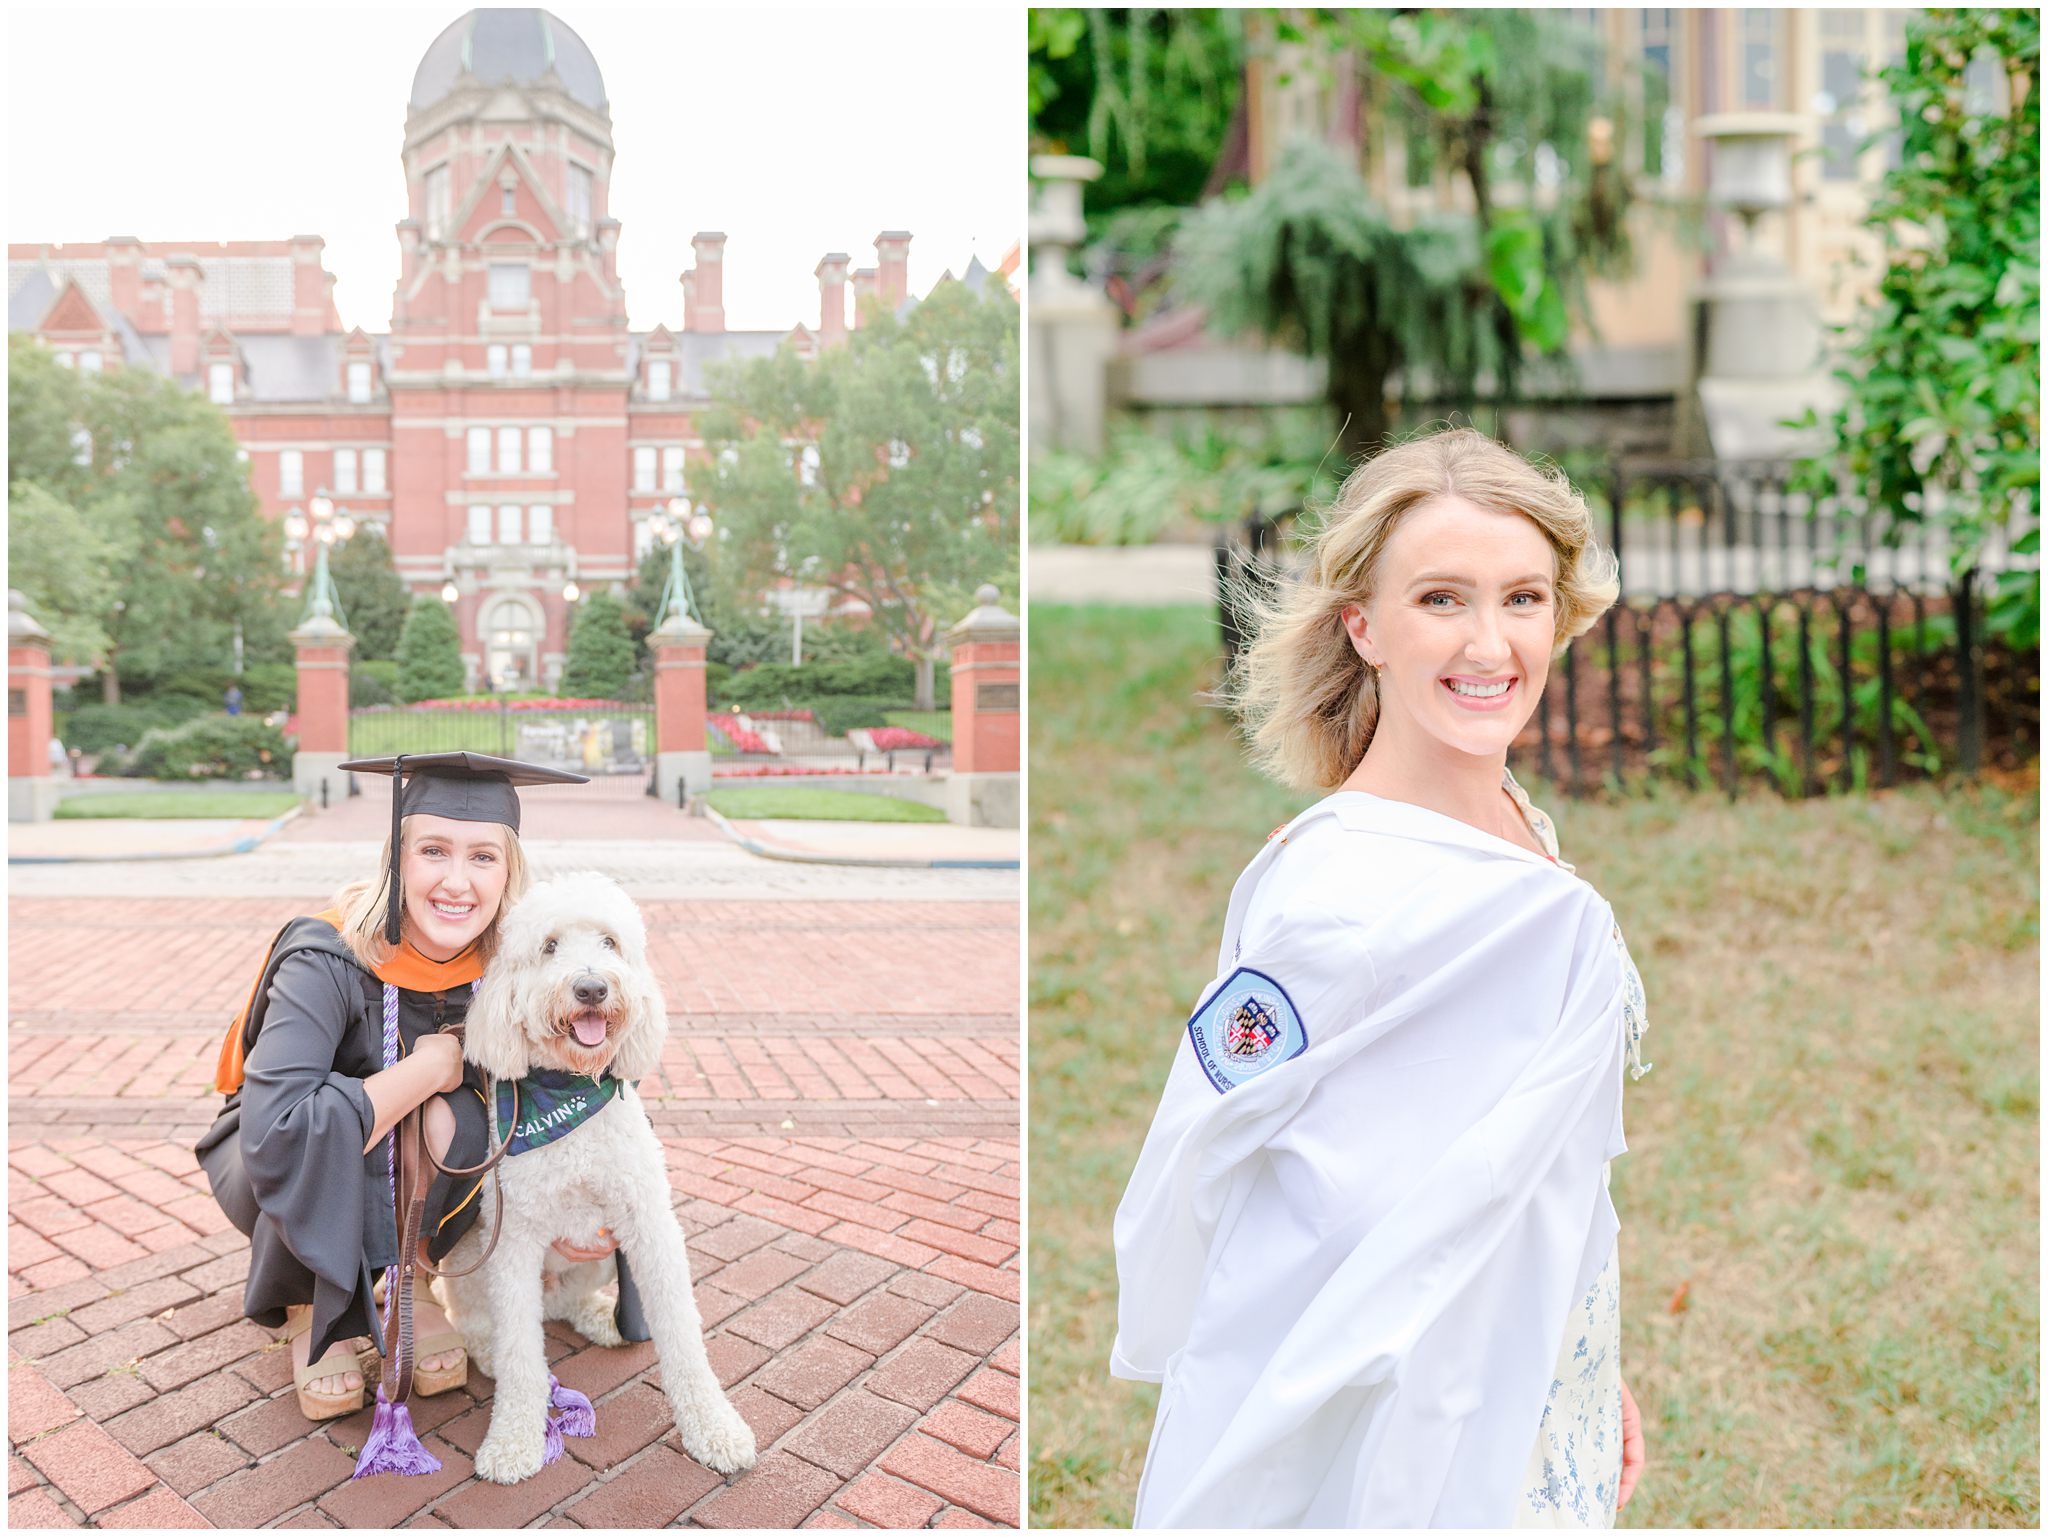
[[551, 1105]]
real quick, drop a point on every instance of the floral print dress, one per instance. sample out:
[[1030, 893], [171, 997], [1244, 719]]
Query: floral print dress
[[1573, 1478]]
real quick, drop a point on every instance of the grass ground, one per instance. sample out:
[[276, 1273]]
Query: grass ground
[[175, 805], [773, 802], [1830, 1242]]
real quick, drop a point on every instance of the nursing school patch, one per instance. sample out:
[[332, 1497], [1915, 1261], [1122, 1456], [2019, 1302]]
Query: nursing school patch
[[1248, 1026]]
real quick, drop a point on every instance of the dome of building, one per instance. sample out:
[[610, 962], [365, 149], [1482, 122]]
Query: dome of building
[[508, 47]]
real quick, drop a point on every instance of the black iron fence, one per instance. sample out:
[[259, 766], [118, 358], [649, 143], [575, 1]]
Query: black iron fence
[[1763, 634], [612, 744]]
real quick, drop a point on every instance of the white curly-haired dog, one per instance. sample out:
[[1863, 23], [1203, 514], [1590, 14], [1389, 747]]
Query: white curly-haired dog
[[570, 990]]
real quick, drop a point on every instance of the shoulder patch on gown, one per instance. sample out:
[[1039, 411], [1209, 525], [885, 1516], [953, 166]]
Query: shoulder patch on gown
[[1249, 1026]]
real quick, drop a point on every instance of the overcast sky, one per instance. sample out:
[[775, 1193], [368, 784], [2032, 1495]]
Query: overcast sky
[[795, 131]]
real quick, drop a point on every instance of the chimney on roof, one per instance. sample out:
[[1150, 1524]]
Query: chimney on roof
[[863, 296], [184, 275], [832, 298], [892, 256], [704, 295], [124, 274], [309, 286]]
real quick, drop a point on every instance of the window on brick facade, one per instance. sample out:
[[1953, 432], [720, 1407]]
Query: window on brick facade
[[373, 470], [643, 469], [660, 381], [494, 360], [220, 383], [579, 200], [345, 470], [508, 201], [671, 469], [540, 450], [437, 202], [479, 525], [88, 362], [508, 525], [540, 524], [522, 361], [81, 448], [67, 360], [359, 382], [291, 472], [479, 450], [807, 464], [511, 285], [508, 450]]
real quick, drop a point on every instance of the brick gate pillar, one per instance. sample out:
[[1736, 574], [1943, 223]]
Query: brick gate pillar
[[682, 750], [32, 790], [322, 648], [982, 790]]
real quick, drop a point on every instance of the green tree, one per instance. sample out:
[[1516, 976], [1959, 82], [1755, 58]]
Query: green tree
[[163, 506], [601, 655], [429, 652], [373, 595], [1504, 101], [886, 470], [64, 565], [1942, 417]]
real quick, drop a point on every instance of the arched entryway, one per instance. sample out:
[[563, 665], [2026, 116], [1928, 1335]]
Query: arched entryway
[[511, 631]]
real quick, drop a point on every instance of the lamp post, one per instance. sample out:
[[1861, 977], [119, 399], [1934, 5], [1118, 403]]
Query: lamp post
[[672, 525], [326, 523]]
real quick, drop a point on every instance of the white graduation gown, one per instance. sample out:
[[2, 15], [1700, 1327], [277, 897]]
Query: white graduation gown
[[1349, 1267]]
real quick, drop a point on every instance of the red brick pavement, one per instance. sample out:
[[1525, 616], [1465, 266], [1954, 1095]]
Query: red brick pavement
[[838, 1110]]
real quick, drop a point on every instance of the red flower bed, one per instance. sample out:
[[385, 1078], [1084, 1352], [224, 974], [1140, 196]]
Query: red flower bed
[[742, 740], [900, 738], [771, 771]]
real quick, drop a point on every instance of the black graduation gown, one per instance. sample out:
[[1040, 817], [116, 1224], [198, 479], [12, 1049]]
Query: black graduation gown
[[286, 1161]]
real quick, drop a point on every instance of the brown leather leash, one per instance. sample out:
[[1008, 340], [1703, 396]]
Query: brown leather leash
[[415, 1162]]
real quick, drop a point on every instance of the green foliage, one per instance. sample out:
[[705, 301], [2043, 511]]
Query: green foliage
[[1147, 482], [373, 596], [211, 747], [429, 652], [601, 655], [268, 686], [778, 685], [902, 488], [1452, 302], [97, 728], [371, 684], [1149, 92], [64, 562], [175, 805], [1942, 420], [828, 642], [838, 714]]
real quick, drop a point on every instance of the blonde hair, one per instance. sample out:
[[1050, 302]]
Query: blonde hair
[[364, 905], [1307, 701]]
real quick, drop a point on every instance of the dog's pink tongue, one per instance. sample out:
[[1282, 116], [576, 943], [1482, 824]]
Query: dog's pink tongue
[[589, 1029]]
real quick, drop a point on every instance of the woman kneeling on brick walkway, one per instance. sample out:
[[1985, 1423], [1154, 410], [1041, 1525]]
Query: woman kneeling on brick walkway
[[340, 1040]]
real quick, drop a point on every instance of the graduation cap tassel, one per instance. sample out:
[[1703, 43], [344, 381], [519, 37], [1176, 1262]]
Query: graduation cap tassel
[[392, 1445], [394, 903], [578, 1418]]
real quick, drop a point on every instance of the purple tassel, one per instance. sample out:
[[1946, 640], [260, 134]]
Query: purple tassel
[[577, 1417], [551, 1448], [391, 1446]]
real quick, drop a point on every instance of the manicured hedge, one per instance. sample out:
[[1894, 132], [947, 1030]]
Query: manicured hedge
[[212, 747]]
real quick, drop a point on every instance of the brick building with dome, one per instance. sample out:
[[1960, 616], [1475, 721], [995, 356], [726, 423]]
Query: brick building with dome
[[510, 433]]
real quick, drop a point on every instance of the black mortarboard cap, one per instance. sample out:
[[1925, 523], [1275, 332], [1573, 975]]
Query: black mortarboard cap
[[462, 786]]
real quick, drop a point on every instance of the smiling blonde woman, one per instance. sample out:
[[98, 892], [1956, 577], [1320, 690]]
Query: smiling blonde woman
[[1368, 1250]]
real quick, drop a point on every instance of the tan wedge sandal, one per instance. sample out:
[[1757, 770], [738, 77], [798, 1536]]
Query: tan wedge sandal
[[430, 1384], [340, 1358]]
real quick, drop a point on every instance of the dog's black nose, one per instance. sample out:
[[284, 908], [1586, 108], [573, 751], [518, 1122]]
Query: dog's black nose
[[591, 991]]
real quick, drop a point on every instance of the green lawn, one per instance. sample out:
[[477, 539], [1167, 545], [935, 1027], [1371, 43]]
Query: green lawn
[[175, 805], [787, 803], [933, 723], [1830, 1245]]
